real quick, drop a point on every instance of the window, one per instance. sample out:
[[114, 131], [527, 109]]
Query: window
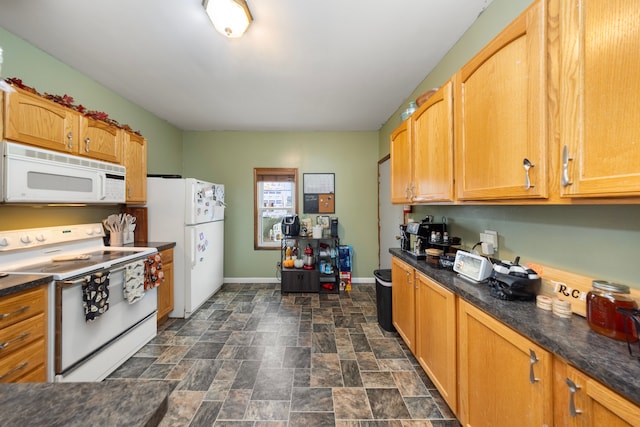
[[274, 197]]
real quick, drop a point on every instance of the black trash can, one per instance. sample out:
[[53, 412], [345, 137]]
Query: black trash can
[[383, 299]]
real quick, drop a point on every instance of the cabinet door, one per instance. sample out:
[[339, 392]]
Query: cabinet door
[[33, 120], [504, 377], [165, 290], [401, 164], [436, 336], [500, 114], [296, 280], [100, 140], [599, 98], [135, 160], [432, 133], [581, 401], [403, 302]]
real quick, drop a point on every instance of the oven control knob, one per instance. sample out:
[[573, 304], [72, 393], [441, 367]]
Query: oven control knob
[[97, 231], [40, 238], [25, 239], [4, 242]]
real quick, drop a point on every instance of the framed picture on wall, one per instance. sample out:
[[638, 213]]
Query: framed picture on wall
[[319, 195]]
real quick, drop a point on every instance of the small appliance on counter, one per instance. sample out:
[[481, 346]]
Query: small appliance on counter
[[291, 225], [417, 237], [473, 267], [512, 281], [334, 227]]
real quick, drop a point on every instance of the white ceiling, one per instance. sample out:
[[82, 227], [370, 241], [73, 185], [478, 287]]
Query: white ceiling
[[303, 65]]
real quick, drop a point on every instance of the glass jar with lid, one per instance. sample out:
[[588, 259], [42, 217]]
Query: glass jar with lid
[[602, 316]]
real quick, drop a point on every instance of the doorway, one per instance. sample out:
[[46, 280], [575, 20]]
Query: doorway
[[389, 216]]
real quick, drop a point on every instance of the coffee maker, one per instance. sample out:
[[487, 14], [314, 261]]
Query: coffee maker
[[416, 236]]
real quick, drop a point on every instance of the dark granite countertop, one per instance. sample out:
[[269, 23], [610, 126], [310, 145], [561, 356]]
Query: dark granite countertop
[[19, 282], [108, 403], [604, 359]]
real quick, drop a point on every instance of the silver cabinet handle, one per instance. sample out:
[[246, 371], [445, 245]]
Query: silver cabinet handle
[[70, 140], [14, 370], [533, 359], [18, 311], [18, 338], [526, 163], [573, 388], [87, 141], [565, 181]]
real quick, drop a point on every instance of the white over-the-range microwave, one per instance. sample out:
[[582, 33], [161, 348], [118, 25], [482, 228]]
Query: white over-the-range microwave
[[34, 175]]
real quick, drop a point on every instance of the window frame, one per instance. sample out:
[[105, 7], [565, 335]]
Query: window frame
[[285, 174]]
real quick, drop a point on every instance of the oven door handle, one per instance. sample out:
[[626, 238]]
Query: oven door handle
[[67, 283]]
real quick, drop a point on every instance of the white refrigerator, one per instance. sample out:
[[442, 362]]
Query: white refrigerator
[[189, 212]]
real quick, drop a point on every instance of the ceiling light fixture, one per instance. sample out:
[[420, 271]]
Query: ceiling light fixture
[[230, 17]]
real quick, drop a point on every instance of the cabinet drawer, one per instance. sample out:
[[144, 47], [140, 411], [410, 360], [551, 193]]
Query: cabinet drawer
[[167, 256], [22, 333], [19, 363], [17, 307], [37, 375]]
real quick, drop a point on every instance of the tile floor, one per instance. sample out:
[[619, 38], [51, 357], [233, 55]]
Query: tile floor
[[251, 357]]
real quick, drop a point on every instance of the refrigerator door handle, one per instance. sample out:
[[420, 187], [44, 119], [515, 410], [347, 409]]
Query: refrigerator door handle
[[192, 249]]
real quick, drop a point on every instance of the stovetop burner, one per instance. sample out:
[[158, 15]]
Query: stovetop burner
[[63, 252], [96, 258]]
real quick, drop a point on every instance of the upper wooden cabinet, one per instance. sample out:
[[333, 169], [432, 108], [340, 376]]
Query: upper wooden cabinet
[[599, 98], [403, 302], [401, 164], [33, 120], [500, 114], [504, 378], [100, 140], [422, 152], [135, 160], [432, 134]]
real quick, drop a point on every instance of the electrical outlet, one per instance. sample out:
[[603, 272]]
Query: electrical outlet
[[490, 236]]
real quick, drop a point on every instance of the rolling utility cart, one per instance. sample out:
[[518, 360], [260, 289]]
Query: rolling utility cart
[[309, 264]]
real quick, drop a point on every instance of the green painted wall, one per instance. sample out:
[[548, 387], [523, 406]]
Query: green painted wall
[[598, 241], [490, 22], [46, 74], [230, 157]]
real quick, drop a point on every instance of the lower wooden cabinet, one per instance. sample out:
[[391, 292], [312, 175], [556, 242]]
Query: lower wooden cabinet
[[436, 347], [299, 280], [403, 302], [165, 290], [504, 378], [23, 336], [489, 374], [581, 401]]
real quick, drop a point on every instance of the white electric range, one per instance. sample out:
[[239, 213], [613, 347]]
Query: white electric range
[[82, 350]]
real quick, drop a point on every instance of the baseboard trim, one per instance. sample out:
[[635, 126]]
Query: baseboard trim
[[275, 280]]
